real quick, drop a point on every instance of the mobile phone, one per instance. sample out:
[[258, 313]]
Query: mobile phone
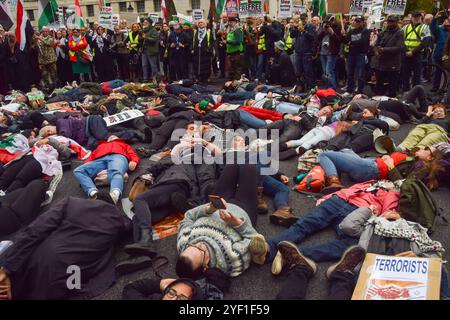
[[217, 201]]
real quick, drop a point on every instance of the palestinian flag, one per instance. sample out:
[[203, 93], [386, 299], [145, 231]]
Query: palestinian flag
[[220, 6], [48, 13], [164, 10], [6, 20], [101, 3], [79, 22]]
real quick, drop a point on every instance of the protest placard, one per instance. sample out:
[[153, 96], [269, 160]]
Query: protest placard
[[197, 14], [285, 8], [356, 7], [105, 17], [122, 117], [396, 7]]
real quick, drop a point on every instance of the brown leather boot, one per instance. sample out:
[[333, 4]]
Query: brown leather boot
[[262, 205], [333, 185], [283, 216]]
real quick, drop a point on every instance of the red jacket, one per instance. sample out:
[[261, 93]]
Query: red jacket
[[114, 147], [263, 113], [356, 195]]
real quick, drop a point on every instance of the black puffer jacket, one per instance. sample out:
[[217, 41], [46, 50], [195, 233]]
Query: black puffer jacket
[[393, 44]]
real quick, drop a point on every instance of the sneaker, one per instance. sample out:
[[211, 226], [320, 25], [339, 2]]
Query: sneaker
[[134, 264], [115, 196], [346, 114], [277, 264], [93, 195], [351, 258], [292, 91], [258, 249], [291, 257], [48, 198], [347, 95]]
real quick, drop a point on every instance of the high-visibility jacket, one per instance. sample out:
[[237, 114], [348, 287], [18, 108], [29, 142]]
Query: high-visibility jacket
[[75, 47], [208, 38], [233, 48], [133, 42], [262, 43], [289, 42], [413, 36]]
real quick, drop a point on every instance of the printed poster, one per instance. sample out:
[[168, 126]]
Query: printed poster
[[398, 278], [105, 17], [396, 7], [356, 7], [285, 8], [231, 7], [250, 8], [122, 117]]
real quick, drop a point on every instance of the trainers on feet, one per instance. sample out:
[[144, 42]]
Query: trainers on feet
[[258, 249], [351, 258], [292, 257]]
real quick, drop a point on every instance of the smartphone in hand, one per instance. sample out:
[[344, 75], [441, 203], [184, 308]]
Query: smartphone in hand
[[217, 201]]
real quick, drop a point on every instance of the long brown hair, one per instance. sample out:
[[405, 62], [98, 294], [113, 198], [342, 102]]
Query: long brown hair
[[343, 126], [428, 171]]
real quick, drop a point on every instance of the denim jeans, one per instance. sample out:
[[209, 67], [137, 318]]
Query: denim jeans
[[152, 61], [250, 120], [329, 69], [116, 164], [288, 107], [260, 65], [329, 213], [359, 169], [276, 189], [305, 68], [356, 67]]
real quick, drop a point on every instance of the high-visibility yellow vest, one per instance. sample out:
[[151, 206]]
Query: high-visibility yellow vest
[[208, 38], [133, 42], [289, 42], [233, 48], [413, 36], [262, 43]]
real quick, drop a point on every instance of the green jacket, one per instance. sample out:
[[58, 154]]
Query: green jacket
[[151, 41], [47, 52], [405, 169], [235, 41]]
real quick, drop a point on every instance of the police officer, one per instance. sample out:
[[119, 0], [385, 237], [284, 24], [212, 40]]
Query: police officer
[[417, 37]]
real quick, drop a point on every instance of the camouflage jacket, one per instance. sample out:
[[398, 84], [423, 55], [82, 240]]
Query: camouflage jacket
[[47, 52]]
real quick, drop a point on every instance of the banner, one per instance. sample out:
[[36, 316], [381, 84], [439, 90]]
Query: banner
[[356, 7], [105, 17], [250, 8], [123, 116], [396, 7], [182, 18], [285, 8], [231, 8], [197, 14], [340, 6], [298, 7], [398, 278], [367, 3]]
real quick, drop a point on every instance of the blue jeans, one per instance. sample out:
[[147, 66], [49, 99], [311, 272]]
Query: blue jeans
[[277, 190], [116, 164], [359, 169], [288, 107], [329, 69], [260, 65], [237, 97], [329, 213], [305, 68], [356, 67], [152, 61], [250, 120]]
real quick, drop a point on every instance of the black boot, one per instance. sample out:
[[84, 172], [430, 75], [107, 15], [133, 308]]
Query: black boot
[[181, 202], [133, 264], [145, 246], [139, 135], [300, 151]]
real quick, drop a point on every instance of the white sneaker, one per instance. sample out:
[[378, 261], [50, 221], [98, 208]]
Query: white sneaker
[[291, 91], [347, 95], [2, 193], [115, 195], [48, 198]]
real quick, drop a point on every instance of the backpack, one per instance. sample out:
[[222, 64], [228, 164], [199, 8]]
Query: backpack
[[314, 181], [417, 204]]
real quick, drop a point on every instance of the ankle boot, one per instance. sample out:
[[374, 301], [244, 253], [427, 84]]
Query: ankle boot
[[262, 205], [283, 216], [333, 185], [145, 245], [300, 151]]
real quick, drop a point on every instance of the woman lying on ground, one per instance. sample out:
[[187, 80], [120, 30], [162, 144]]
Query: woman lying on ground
[[424, 164]]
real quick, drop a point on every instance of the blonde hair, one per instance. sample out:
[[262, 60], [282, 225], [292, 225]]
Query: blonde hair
[[44, 130]]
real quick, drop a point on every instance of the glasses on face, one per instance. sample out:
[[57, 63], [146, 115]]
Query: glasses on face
[[172, 293]]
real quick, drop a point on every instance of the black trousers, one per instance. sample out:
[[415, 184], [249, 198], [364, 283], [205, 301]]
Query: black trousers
[[296, 284], [237, 184], [161, 136], [393, 80], [154, 205], [417, 93], [20, 173], [20, 207], [288, 129]]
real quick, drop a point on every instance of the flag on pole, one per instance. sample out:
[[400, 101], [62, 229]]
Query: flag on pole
[[101, 3], [6, 20], [323, 8], [47, 13], [78, 15], [24, 30], [170, 9], [164, 10], [220, 6]]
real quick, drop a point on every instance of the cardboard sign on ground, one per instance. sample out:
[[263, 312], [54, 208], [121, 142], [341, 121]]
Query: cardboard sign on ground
[[398, 278]]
